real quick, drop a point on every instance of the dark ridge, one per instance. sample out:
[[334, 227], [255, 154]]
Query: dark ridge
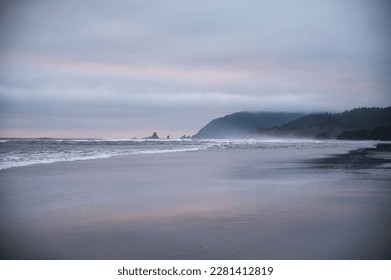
[[360, 118], [357, 124], [244, 124]]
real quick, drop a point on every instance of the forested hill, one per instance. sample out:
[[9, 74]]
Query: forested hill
[[357, 124], [244, 124], [360, 123]]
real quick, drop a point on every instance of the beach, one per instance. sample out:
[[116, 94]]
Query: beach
[[286, 203]]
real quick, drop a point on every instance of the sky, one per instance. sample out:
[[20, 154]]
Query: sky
[[128, 68]]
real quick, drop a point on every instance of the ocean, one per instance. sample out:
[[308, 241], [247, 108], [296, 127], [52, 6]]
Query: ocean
[[17, 152]]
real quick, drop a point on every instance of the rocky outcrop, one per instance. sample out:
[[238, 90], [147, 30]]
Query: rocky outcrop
[[154, 136]]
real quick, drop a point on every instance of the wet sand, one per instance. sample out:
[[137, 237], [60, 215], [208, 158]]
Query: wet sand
[[222, 204]]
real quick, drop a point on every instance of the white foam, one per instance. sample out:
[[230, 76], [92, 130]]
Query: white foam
[[13, 160], [121, 140], [169, 151], [11, 164], [18, 159]]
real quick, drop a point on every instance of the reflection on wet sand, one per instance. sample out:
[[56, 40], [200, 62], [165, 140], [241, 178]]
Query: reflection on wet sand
[[357, 159], [207, 205]]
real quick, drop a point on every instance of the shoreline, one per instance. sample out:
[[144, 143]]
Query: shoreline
[[214, 204], [50, 157], [362, 158]]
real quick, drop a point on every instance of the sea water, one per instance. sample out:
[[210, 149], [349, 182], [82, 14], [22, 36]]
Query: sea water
[[17, 152]]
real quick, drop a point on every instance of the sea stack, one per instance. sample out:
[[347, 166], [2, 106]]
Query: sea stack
[[154, 136]]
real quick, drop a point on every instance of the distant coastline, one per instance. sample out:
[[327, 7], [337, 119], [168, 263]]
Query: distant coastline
[[356, 124]]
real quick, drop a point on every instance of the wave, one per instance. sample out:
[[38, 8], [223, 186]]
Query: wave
[[46, 158], [116, 139], [27, 162], [24, 152]]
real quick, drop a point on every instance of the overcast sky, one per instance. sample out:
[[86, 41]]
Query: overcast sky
[[128, 68]]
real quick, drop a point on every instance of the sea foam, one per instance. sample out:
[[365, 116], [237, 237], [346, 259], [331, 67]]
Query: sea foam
[[24, 152]]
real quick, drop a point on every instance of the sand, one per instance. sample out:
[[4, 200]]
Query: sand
[[222, 204]]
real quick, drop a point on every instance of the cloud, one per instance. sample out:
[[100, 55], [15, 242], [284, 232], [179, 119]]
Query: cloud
[[131, 61]]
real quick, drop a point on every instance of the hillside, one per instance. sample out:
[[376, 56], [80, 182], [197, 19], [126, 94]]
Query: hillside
[[356, 124], [244, 124]]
